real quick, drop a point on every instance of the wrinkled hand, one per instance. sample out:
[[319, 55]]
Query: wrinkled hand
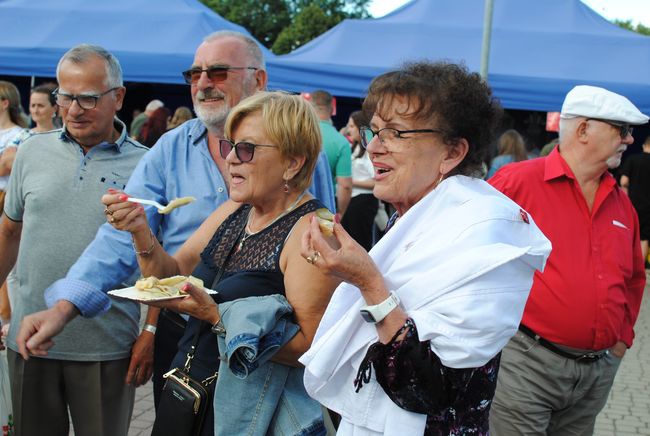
[[141, 364], [350, 262], [198, 304], [122, 214], [619, 349], [38, 329]]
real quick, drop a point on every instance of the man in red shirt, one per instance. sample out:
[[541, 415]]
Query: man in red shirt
[[556, 373]]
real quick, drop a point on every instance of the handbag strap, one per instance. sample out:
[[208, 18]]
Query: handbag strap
[[204, 325]]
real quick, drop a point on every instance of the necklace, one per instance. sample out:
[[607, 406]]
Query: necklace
[[248, 233]]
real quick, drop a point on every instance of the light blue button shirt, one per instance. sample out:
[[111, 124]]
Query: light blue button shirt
[[178, 165]]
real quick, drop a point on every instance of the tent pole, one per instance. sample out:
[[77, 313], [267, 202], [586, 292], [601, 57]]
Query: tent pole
[[487, 35]]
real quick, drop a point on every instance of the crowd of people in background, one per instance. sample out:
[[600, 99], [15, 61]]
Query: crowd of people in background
[[435, 321]]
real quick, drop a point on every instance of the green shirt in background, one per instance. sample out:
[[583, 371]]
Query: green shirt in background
[[338, 151], [137, 124]]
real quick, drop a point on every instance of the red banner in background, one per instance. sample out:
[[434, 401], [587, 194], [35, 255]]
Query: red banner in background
[[552, 121]]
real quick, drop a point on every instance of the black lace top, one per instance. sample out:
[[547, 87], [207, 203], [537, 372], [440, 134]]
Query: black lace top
[[252, 270]]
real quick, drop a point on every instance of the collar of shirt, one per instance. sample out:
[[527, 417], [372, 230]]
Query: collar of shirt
[[197, 132], [117, 123], [555, 166]]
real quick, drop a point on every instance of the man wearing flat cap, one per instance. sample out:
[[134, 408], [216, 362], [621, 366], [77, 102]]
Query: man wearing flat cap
[[557, 371]]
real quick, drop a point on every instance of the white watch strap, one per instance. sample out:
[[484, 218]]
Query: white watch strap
[[379, 311]]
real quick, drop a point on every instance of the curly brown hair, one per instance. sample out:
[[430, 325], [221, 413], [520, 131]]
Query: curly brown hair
[[447, 95]]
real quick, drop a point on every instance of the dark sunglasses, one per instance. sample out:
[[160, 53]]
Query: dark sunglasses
[[215, 73], [624, 129], [243, 150]]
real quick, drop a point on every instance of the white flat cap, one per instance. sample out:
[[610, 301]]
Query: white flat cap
[[595, 102]]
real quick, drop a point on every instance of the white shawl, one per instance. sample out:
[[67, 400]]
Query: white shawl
[[462, 262]]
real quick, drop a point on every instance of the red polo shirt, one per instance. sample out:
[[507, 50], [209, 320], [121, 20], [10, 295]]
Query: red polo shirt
[[590, 291]]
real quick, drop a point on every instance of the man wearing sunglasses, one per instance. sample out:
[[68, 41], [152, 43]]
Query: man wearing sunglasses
[[228, 66], [52, 213], [557, 371]]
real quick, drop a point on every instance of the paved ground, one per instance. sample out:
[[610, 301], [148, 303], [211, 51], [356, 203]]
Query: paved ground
[[627, 412], [143, 411]]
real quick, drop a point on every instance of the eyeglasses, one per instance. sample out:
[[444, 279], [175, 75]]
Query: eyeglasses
[[624, 129], [243, 150], [85, 101], [389, 134], [215, 73]]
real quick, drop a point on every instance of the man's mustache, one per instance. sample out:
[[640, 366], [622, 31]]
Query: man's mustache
[[209, 93]]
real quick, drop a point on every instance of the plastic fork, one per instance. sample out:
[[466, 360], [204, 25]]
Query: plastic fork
[[149, 202]]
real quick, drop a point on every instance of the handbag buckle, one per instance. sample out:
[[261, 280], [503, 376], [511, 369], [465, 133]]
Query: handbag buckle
[[209, 380], [190, 356], [168, 373]]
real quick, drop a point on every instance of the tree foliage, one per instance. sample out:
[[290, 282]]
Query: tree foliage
[[639, 28], [284, 25]]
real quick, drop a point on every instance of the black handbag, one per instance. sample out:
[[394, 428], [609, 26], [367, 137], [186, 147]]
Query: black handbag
[[183, 401]]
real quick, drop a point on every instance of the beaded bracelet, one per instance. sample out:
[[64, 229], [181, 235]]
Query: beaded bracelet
[[148, 251]]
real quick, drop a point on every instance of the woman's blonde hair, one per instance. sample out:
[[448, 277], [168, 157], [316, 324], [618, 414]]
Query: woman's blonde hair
[[9, 92], [511, 142], [290, 123]]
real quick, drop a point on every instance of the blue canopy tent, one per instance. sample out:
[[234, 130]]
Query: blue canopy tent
[[153, 39], [539, 51]]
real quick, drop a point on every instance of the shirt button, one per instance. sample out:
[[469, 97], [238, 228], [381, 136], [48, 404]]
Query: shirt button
[[220, 189], [600, 276]]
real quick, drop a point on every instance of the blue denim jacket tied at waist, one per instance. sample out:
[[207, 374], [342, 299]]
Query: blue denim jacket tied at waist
[[255, 396]]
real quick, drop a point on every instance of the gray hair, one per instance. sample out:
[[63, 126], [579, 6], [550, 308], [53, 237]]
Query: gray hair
[[153, 105], [254, 50], [566, 125], [81, 53]]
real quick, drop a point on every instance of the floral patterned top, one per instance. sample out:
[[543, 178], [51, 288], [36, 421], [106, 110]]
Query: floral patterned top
[[456, 401]]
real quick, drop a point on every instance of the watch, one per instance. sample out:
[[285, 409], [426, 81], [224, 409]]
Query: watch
[[379, 311], [219, 328]]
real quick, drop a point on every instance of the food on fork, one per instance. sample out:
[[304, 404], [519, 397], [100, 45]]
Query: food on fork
[[152, 287], [176, 202], [325, 221]]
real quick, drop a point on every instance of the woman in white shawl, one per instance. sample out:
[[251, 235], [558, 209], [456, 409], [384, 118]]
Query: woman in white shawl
[[410, 343]]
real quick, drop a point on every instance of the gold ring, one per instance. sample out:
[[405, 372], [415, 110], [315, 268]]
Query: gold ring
[[316, 256], [111, 219], [311, 260]]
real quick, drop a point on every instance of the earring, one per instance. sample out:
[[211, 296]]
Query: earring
[[286, 186], [442, 176]]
